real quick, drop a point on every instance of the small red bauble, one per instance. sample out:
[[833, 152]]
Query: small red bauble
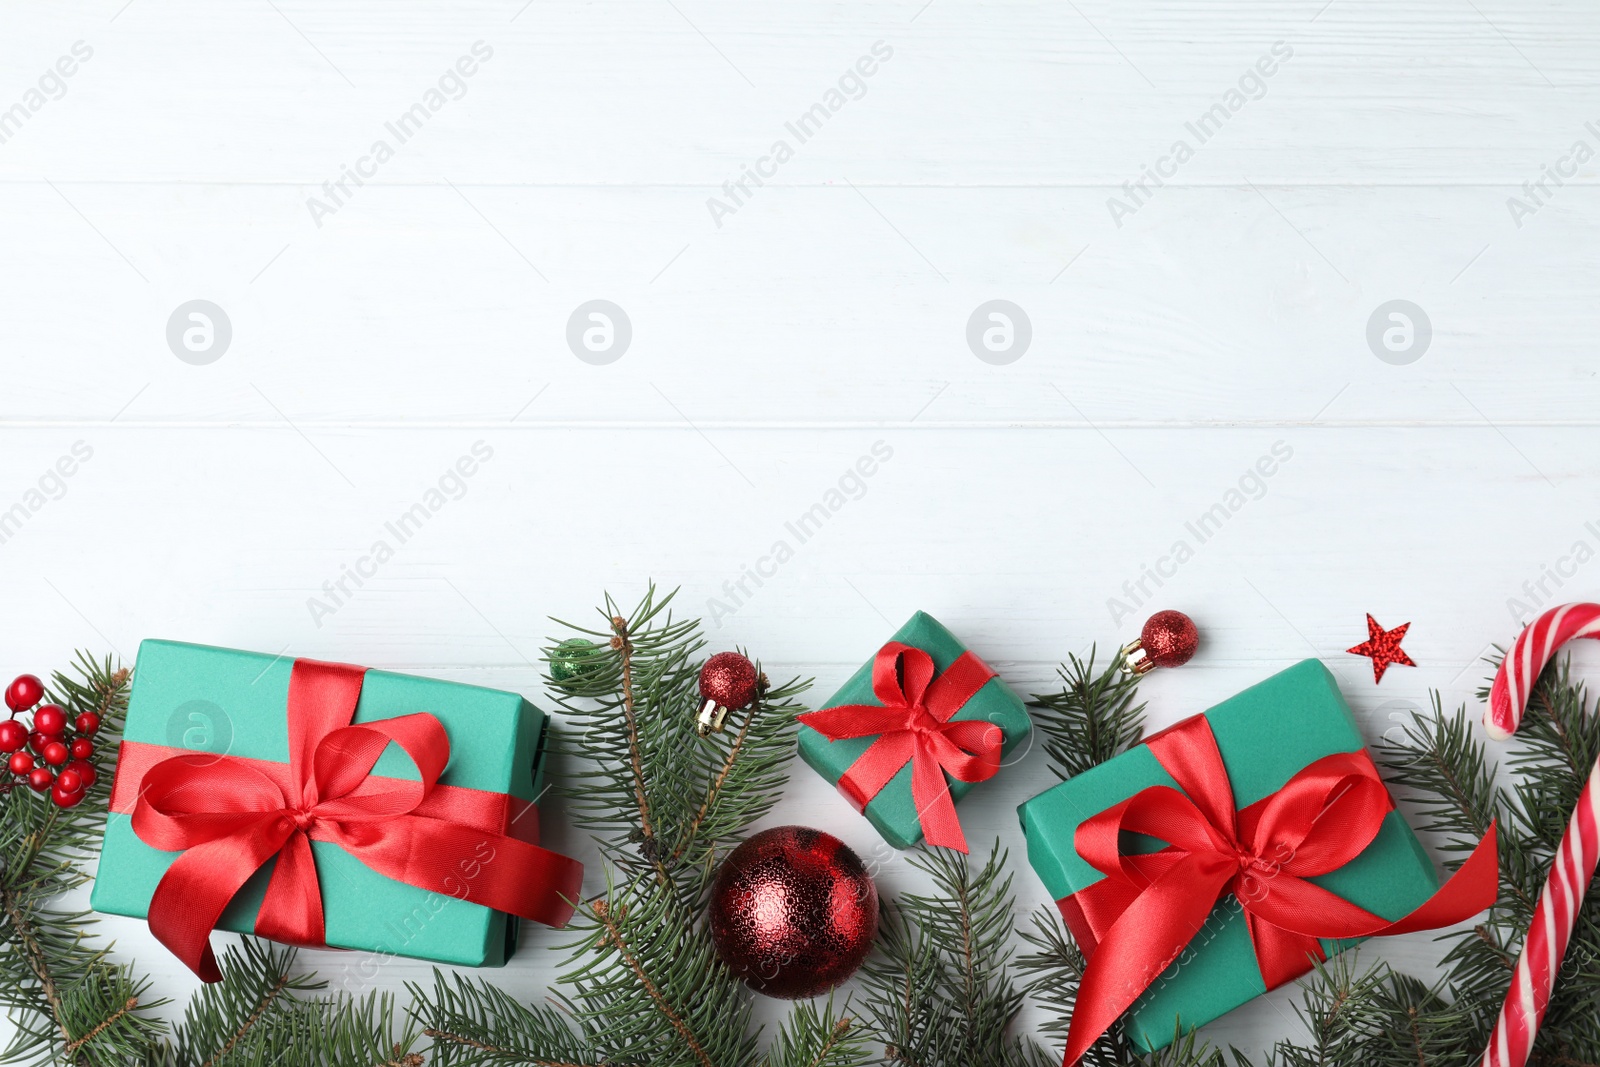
[[13, 735], [64, 798], [50, 720], [39, 779], [85, 770], [82, 748], [69, 781], [24, 692], [88, 723], [20, 763], [1168, 639], [56, 753], [793, 912], [727, 681]]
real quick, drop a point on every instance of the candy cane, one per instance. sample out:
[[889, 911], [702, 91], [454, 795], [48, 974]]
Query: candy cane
[[1574, 863]]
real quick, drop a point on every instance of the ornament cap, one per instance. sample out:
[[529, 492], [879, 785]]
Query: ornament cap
[[1135, 660], [712, 719]]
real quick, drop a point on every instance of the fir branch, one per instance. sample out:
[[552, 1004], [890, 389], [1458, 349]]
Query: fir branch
[[20, 930], [942, 993], [615, 938], [224, 1022], [729, 761], [474, 1023], [1091, 719], [66, 1001], [813, 1038], [624, 649], [661, 799]]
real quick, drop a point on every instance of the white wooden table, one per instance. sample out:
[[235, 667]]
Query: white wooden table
[[939, 155]]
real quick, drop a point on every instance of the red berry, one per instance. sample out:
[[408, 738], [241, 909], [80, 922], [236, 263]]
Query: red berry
[[85, 770], [64, 799], [20, 763], [55, 753], [88, 723], [37, 741], [69, 781], [13, 735], [50, 719], [39, 779], [24, 692], [82, 748]]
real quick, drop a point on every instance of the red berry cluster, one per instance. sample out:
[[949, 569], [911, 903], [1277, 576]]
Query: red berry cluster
[[50, 745]]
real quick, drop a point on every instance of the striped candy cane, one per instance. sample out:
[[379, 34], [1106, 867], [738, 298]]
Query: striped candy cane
[[1574, 863]]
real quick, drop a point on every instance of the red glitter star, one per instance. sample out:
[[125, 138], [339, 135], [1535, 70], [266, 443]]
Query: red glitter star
[[1384, 648]]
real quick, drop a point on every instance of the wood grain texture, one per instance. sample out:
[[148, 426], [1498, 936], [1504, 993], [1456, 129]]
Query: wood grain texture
[[1225, 315]]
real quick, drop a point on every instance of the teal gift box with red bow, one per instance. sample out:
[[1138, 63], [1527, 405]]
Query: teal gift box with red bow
[[1226, 854], [913, 731], [322, 804]]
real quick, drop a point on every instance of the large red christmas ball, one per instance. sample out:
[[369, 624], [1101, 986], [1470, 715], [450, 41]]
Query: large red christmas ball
[[793, 912]]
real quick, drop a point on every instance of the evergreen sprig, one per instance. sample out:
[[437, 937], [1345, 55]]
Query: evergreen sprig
[[1092, 718], [940, 992], [662, 800], [66, 999]]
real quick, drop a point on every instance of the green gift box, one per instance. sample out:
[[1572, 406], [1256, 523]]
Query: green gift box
[[892, 811], [1266, 735], [216, 700]]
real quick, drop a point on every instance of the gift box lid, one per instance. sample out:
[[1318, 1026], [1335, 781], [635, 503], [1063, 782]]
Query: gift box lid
[[207, 699]]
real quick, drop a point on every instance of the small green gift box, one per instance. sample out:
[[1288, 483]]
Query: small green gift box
[[217, 711], [913, 731], [1282, 735]]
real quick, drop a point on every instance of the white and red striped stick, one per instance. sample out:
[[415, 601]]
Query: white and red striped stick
[[1574, 863]]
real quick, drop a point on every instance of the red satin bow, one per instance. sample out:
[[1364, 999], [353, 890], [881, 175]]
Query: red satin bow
[[913, 726], [1143, 914], [228, 816]]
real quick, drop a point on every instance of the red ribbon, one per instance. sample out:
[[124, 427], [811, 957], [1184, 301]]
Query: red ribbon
[[1138, 919], [913, 726], [229, 815]]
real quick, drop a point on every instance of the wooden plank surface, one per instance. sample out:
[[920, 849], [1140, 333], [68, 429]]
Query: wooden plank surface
[[1181, 333]]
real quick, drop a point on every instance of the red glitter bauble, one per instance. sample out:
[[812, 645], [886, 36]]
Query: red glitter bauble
[[729, 679], [793, 912], [1169, 638]]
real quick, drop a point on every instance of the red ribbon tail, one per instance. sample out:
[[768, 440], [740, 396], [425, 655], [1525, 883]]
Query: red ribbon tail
[[502, 873], [291, 911], [936, 809], [1473, 887], [1140, 945], [191, 896]]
